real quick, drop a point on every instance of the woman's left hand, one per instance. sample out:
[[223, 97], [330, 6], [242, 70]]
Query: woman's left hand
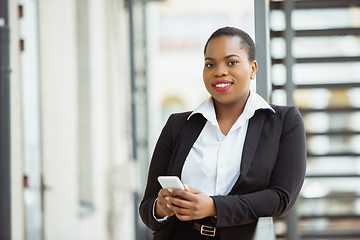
[[191, 204]]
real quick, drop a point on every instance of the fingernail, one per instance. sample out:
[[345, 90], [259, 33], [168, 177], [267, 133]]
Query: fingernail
[[168, 205], [167, 198], [170, 190]]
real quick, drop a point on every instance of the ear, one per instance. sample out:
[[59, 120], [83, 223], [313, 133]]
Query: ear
[[254, 67]]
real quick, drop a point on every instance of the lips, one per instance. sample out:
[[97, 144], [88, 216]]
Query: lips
[[222, 85]]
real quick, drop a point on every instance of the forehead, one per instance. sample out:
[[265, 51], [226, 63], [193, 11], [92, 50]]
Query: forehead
[[224, 45]]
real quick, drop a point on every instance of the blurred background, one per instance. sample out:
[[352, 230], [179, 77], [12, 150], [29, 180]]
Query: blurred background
[[86, 86]]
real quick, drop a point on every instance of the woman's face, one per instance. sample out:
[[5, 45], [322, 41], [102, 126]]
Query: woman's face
[[227, 70]]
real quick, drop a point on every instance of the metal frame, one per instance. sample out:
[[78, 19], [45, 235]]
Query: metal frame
[[328, 86], [84, 122], [5, 155], [262, 38], [263, 83], [319, 32], [317, 4], [318, 60], [139, 102], [289, 60]]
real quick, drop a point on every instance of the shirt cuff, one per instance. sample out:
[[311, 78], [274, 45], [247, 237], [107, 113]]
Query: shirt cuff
[[160, 220]]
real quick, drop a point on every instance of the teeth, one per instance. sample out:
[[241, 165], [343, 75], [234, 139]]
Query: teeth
[[222, 85]]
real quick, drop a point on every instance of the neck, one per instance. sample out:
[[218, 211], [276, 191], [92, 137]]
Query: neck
[[230, 112]]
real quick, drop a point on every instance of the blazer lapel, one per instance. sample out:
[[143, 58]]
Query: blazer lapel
[[193, 129], [252, 139]]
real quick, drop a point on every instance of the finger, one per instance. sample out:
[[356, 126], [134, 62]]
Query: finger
[[168, 211], [192, 190], [164, 193], [183, 194], [162, 210], [180, 210], [184, 217], [179, 202], [163, 201]]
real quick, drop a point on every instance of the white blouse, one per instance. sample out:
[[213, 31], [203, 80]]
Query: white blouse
[[213, 163]]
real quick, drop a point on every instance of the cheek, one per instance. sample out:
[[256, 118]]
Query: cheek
[[207, 83], [205, 72], [206, 78], [244, 74]]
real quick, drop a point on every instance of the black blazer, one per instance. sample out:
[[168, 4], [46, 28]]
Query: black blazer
[[271, 175]]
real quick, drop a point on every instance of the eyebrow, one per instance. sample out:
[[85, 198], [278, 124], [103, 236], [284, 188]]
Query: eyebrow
[[228, 56]]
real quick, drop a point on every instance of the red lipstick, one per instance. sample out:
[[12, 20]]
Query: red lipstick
[[222, 85]]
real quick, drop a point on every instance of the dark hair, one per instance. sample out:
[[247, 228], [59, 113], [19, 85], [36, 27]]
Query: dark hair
[[246, 41]]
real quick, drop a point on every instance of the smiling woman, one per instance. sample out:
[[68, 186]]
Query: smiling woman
[[239, 157], [227, 73]]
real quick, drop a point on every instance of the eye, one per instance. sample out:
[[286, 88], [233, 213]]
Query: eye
[[209, 65], [232, 63]]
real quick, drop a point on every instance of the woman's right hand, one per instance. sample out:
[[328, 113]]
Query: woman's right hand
[[161, 210]]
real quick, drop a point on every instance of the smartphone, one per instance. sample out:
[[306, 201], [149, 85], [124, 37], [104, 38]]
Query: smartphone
[[170, 182]]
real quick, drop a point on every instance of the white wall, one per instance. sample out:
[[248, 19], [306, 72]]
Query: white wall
[[58, 84]]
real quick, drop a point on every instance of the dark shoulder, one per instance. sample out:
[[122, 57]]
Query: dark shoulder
[[178, 121], [285, 110], [179, 118], [286, 116], [283, 115]]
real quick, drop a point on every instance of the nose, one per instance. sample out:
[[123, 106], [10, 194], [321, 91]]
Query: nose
[[221, 71]]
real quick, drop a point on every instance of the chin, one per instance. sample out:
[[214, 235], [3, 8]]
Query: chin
[[224, 101]]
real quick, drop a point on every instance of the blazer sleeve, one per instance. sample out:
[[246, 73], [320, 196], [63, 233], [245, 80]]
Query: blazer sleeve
[[286, 180], [160, 160]]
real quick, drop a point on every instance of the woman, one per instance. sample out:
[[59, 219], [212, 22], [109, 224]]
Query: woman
[[239, 157]]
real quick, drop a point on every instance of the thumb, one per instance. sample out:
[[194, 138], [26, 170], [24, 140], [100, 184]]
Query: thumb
[[189, 189]]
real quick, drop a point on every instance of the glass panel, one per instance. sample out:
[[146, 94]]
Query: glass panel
[[31, 121], [321, 225], [278, 97], [323, 18], [325, 187], [317, 122], [278, 74], [317, 73], [305, 47], [354, 95], [354, 121], [330, 207], [315, 18], [333, 165], [278, 48], [321, 98], [312, 98], [335, 122], [277, 20], [336, 46], [333, 144]]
